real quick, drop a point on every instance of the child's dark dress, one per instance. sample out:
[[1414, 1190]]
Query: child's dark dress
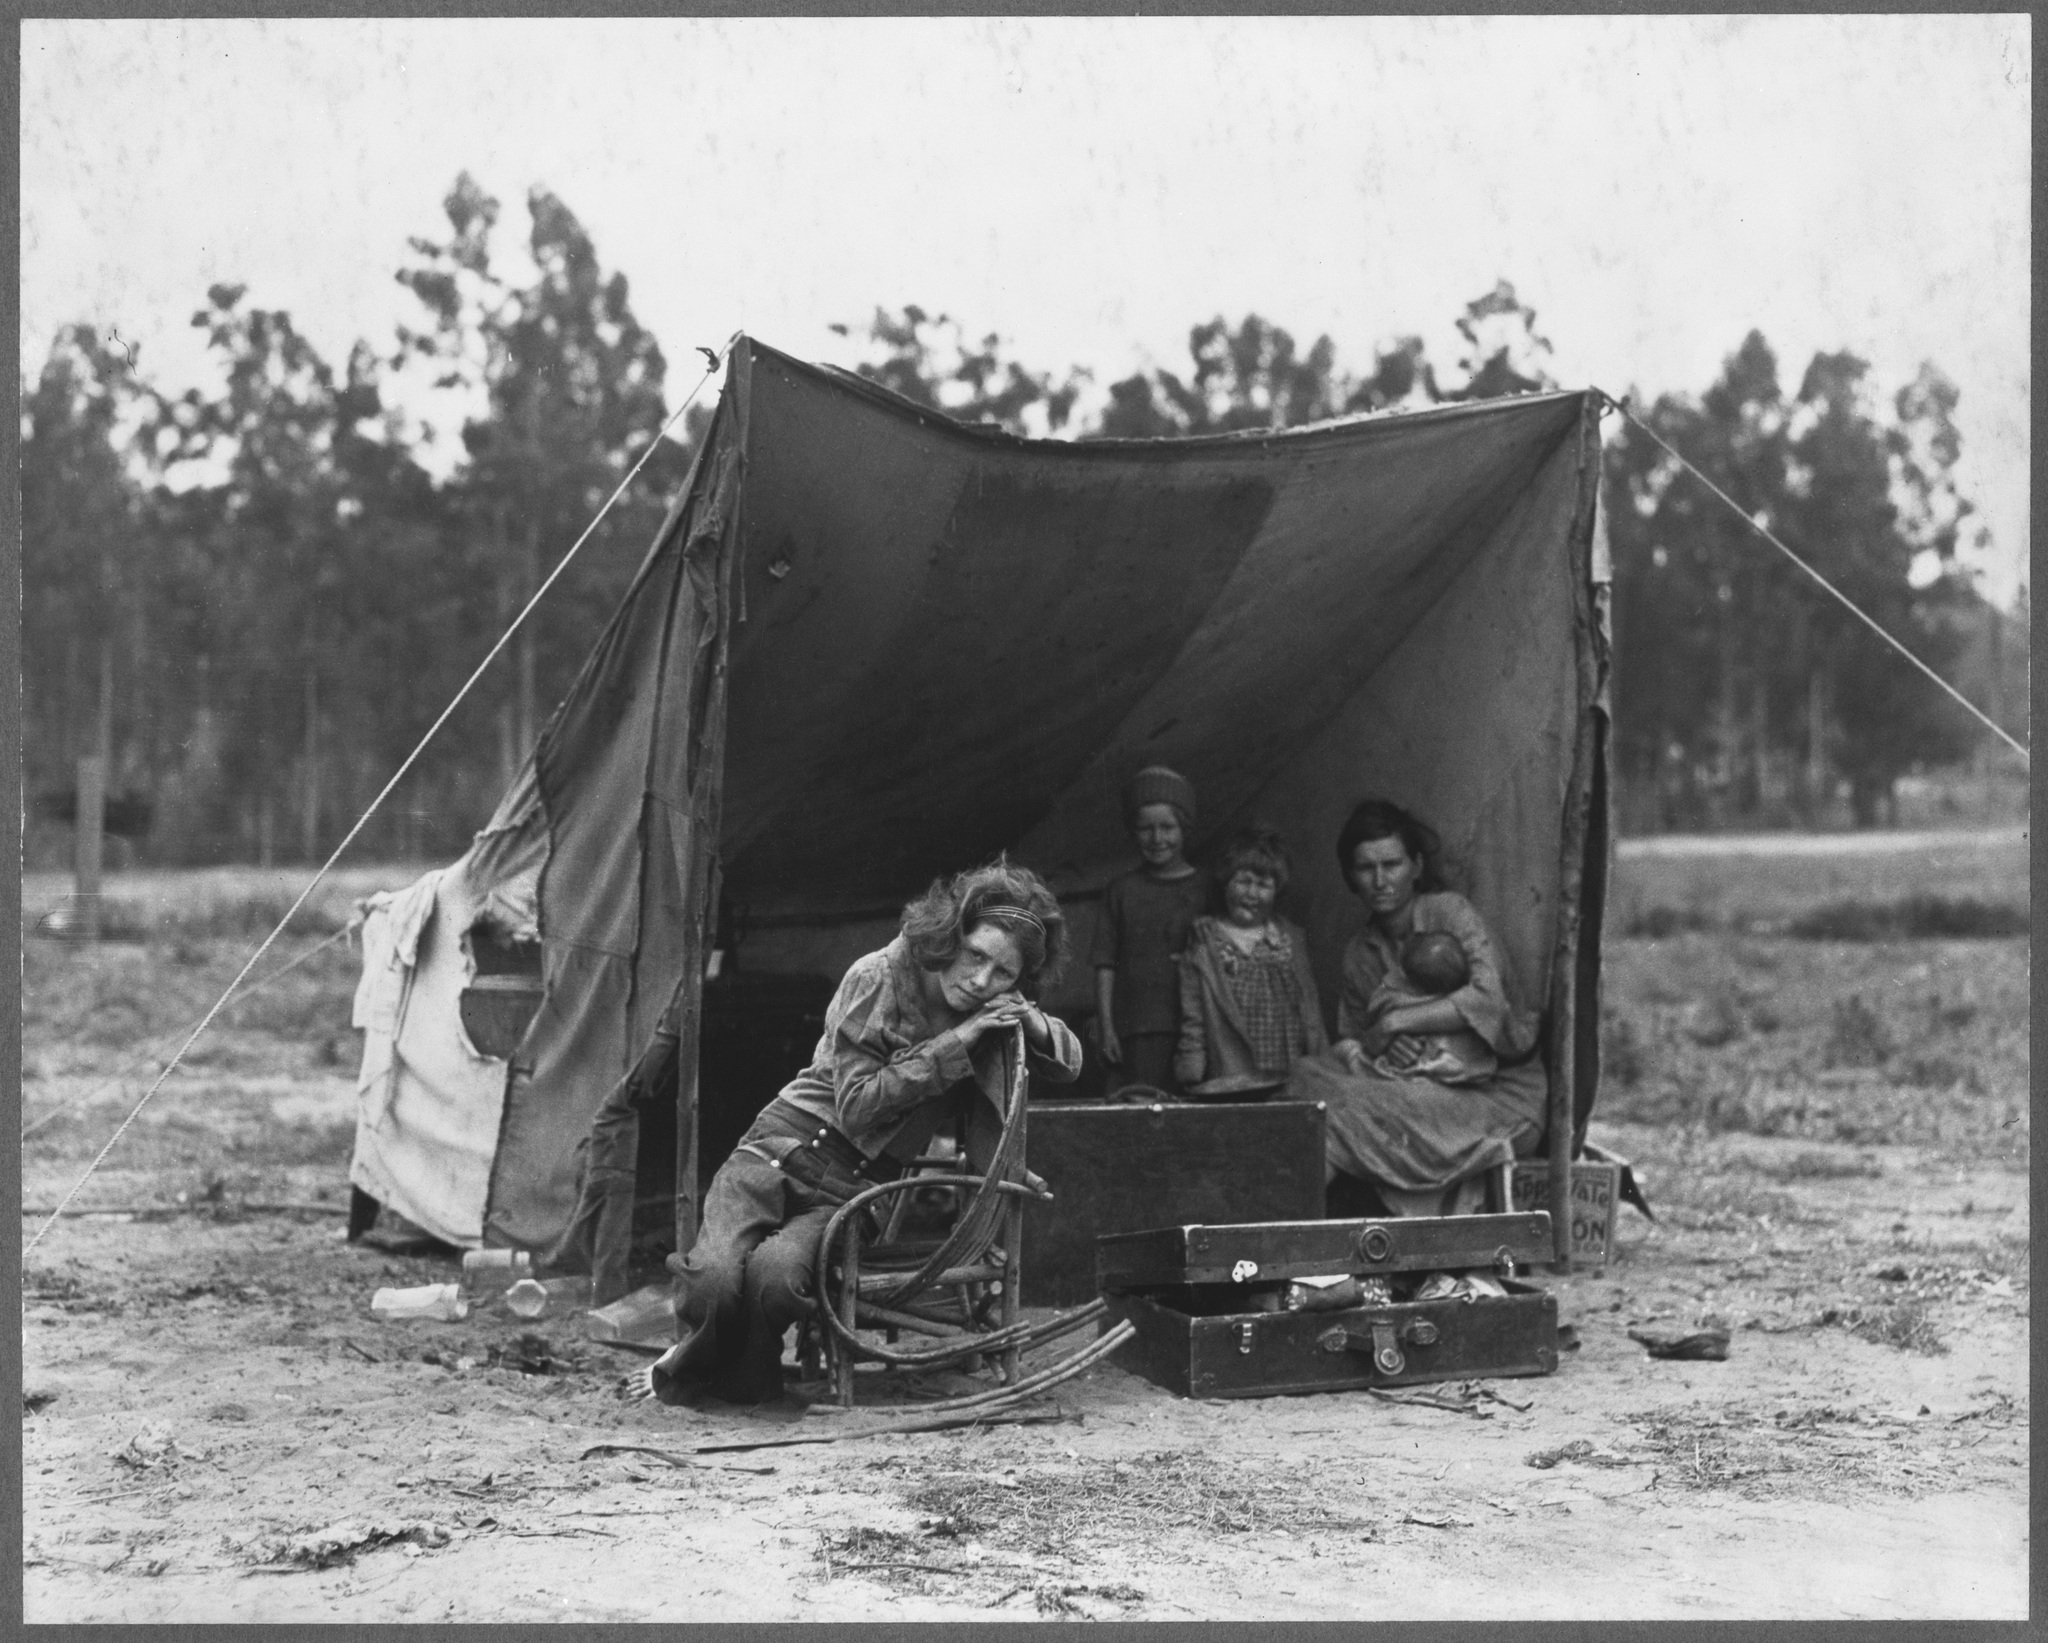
[[1145, 921]]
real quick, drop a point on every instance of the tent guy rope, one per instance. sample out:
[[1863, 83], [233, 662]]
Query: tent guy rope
[[1854, 609], [397, 776]]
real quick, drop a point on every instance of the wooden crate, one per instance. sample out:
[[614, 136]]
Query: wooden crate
[[1596, 1193], [1120, 1168]]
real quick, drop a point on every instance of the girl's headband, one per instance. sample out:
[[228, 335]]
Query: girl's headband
[[1004, 909]]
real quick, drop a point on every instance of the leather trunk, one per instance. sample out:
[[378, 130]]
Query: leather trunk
[[1203, 1299]]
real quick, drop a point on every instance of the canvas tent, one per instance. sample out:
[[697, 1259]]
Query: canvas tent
[[870, 645]]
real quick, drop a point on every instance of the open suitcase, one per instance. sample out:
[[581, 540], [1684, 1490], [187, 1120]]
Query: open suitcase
[[1205, 1301]]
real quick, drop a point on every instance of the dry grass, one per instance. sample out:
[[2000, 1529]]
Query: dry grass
[[113, 1011], [1908, 1042], [894, 1558], [1819, 1166], [1673, 891], [1917, 917], [1818, 1452], [1904, 1325], [222, 902], [1048, 1510]]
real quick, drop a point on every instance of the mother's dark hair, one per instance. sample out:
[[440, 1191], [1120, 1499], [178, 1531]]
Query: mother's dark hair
[[1383, 819], [1013, 899]]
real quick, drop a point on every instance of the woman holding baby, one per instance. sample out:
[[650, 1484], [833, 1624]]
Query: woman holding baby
[[1432, 1079]]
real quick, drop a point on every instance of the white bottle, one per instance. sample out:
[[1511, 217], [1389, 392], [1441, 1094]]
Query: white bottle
[[537, 1297], [442, 1303], [488, 1273]]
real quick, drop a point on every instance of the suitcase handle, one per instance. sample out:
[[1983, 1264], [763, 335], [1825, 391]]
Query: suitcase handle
[[1381, 1338]]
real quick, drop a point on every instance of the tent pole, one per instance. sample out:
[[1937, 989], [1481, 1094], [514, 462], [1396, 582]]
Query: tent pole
[[687, 1090], [707, 772], [1564, 984]]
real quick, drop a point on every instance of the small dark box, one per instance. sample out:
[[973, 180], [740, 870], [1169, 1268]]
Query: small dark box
[[1118, 1168], [1201, 1299]]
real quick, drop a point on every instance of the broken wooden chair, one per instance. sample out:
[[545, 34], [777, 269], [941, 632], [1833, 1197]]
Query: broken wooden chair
[[959, 1294]]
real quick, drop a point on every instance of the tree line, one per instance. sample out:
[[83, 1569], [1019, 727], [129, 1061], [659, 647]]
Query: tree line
[[271, 589]]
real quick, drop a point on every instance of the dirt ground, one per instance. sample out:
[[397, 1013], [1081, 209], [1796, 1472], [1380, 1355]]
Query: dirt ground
[[216, 1429]]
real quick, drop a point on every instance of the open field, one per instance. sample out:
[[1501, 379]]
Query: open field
[[1833, 1134], [1765, 882]]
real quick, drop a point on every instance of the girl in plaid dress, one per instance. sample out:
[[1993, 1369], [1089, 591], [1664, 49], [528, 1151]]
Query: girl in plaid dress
[[1248, 1001]]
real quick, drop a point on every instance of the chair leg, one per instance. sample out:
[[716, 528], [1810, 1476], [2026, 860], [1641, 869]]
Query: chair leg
[[849, 1311], [1013, 1270]]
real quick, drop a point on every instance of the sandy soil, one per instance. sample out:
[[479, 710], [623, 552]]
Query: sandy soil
[[207, 1395]]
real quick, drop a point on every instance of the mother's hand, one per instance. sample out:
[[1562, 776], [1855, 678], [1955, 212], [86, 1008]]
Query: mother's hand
[[1401, 1050], [1375, 1039], [1349, 1051]]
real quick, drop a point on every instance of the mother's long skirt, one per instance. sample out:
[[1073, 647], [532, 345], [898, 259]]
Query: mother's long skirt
[[1414, 1134]]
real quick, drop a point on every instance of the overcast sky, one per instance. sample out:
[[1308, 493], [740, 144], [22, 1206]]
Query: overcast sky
[[1087, 188]]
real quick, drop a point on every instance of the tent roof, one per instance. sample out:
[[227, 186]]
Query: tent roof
[[951, 640]]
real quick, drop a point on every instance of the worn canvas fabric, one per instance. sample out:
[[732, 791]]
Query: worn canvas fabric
[[871, 645], [429, 1105]]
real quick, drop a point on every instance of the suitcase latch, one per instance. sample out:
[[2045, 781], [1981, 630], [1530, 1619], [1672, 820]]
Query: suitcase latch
[[1244, 1337], [1386, 1355], [1375, 1245]]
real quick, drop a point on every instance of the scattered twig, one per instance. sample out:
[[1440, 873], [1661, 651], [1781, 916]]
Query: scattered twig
[[669, 1457], [927, 1568], [362, 1352], [559, 1534], [1424, 1401], [75, 1562], [942, 1423]]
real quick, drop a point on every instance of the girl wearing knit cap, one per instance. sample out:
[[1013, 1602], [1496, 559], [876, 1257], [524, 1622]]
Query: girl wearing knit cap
[[1146, 916]]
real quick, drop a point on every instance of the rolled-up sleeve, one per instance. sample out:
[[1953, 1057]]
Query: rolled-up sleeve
[[1483, 1000], [1061, 1064], [878, 1074]]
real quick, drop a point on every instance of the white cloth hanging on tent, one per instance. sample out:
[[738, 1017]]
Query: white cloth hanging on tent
[[427, 1103]]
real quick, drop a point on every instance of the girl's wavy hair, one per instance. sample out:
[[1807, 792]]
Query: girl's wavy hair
[[935, 925], [1259, 848], [1382, 819]]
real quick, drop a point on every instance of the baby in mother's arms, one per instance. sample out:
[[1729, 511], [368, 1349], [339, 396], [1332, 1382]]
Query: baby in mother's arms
[[1430, 965]]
